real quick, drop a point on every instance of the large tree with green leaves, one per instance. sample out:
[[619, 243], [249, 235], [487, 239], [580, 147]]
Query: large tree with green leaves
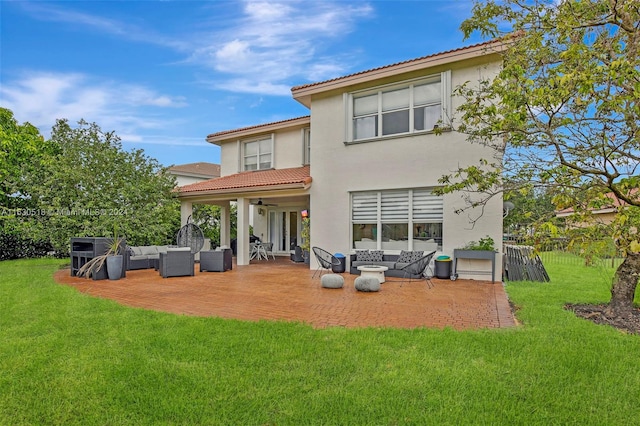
[[93, 188], [563, 112], [23, 154]]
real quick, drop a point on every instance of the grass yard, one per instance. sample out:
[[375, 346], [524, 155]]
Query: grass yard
[[67, 358]]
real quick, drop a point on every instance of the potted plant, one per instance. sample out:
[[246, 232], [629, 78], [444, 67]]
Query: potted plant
[[115, 259], [484, 244], [306, 238], [112, 258]]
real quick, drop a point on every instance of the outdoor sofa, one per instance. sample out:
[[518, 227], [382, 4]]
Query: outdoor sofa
[[395, 262], [144, 257]]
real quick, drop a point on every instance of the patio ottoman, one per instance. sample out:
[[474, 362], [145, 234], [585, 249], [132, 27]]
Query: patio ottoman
[[367, 284], [332, 281]]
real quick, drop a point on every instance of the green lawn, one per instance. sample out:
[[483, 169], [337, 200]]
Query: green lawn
[[66, 358]]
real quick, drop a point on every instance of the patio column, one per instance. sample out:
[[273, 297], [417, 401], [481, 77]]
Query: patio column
[[242, 242], [225, 224], [186, 210]]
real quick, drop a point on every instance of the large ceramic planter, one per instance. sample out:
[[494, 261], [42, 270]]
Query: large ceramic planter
[[114, 266]]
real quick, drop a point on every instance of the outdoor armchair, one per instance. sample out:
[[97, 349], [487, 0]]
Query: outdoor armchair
[[325, 260], [418, 267], [176, 263]]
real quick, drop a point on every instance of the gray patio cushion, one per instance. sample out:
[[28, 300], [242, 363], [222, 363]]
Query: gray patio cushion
[[137, 251], [147, 250], [162, 249], [171, 249], [141, 257]]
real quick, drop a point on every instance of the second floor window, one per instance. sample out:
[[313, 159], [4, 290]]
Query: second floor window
[[258, 155], [306, 147], [412, 107]]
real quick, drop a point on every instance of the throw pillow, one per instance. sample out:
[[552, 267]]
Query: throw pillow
[[376, 255], [363, 256], [406, 256], [417, 255]]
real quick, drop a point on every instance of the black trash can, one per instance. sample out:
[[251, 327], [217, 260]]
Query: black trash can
[[443, 267], [339, 269]]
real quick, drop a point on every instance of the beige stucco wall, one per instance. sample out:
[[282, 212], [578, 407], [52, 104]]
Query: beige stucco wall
[[391, 163], [288, 151], [187, 180]]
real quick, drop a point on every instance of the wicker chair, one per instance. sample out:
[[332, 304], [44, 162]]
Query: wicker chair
[[418, 268], [176, 263], [325, 260]]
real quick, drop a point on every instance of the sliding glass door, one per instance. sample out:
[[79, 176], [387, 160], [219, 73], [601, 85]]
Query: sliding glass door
[[284, 229]]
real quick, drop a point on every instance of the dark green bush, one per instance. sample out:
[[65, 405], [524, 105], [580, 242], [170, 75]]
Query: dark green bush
[[15, 246]]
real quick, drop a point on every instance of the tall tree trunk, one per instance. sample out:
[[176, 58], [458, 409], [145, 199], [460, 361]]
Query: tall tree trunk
[[624, 286]]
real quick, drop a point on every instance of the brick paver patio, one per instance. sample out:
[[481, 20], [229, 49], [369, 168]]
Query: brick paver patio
[[283, 290]]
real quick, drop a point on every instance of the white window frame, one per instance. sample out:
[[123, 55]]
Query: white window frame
[[306, 146], [445, 105], [410, 215], [244, 156]]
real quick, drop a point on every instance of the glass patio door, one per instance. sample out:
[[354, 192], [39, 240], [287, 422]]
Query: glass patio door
[[284, 230]]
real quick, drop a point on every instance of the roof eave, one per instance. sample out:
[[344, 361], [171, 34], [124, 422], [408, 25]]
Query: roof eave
[[305, 185], [303, 93], [221, 137]]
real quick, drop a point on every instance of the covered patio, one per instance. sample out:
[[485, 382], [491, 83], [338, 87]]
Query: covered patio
[[281, 290]]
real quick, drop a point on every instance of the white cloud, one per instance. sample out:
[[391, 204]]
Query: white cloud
[[46, 97], [266, 47], [274, 45]]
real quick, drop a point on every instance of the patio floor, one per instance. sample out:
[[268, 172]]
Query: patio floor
[[283, 290]]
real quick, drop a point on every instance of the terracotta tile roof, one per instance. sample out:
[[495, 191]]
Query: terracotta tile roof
[[614, 205], [258, 126], [201, 169], [397, 64], [253, 180]]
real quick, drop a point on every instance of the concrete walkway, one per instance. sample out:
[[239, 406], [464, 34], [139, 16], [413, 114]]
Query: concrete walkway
[[285, 291]]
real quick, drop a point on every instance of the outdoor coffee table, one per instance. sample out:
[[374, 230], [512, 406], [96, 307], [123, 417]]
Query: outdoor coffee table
[[375, 271]]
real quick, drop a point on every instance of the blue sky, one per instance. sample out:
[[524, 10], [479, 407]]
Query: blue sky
[[165, 74]]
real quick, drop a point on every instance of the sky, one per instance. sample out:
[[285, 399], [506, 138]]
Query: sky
[[164, 74]]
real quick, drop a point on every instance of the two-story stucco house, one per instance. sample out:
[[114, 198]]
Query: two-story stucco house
[[363, 164]]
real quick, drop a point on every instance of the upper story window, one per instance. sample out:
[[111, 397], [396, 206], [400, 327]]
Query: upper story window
[[306, 146], [258, 154], [416, 106]]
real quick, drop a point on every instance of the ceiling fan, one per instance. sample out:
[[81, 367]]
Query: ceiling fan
[[260, 203]]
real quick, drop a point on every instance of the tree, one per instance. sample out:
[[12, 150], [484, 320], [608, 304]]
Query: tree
[[208, 218], [562, 113], [23, 152], [23, 155], [94, 186]]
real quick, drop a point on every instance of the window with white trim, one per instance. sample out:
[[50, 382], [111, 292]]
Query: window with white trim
[[258, 154], [306, 146], [408, 219], [411, 107]]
